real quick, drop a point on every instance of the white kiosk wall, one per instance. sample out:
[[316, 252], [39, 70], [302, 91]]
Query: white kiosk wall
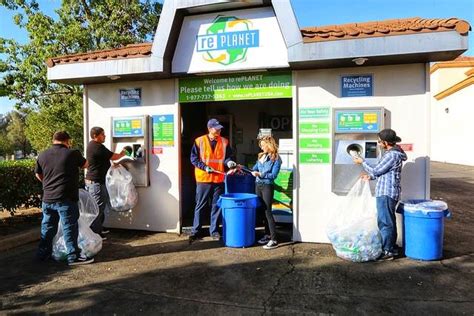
[[399, 89], [158, 205]]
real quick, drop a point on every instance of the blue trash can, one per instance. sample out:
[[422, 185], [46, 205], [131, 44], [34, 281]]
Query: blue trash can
[[423, 228], [238, 218], [239, 183]]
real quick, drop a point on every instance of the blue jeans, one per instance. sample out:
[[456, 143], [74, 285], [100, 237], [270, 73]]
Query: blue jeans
[[386, 221], [203, 193], [101, 196], [68, 213]]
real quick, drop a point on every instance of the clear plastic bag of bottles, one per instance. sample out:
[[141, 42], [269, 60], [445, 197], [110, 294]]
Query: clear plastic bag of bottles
[[352, 229], [122, 192], [89, 242]]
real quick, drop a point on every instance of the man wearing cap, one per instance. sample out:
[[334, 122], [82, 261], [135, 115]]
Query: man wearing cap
[[209, 155], [388, 190]]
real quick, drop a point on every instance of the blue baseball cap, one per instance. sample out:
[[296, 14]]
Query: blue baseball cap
[[213, 123]]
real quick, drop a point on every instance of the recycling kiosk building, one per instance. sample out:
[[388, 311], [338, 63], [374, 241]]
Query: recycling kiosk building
[[322, 91]]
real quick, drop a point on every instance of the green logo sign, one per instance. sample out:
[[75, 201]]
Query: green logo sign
[[227, 40]]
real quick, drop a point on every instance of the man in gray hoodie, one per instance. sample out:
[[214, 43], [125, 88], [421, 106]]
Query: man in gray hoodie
[[387, 171]]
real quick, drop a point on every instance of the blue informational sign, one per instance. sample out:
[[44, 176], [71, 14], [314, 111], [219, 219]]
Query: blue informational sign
[[130, 97], [357, 86], [358, 121], [128, 127]]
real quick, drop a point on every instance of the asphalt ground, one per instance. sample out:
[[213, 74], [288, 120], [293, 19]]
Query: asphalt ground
[[155, 273]]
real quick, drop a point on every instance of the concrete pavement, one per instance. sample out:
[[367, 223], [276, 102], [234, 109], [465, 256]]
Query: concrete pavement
[[147, 273]]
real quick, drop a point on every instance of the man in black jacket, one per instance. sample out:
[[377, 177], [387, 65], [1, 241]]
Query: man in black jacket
[[58, 169]]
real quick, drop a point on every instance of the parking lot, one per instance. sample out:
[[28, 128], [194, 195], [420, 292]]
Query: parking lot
[[156, 273]]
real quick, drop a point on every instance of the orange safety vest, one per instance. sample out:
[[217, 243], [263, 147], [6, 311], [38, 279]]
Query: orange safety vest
[[214, 159]]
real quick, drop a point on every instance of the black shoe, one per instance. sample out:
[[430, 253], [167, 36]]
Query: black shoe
[[192, 238], [386, 256], [43, 258], [216, 236], [80, 261]]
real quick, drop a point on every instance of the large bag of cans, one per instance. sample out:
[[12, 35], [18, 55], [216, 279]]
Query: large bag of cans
[[352, 229], [122, 192], [89, 242]]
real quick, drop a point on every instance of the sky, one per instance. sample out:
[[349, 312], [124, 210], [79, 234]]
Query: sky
[[309, 13]]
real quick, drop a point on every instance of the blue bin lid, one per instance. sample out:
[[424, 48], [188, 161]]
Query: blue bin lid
[[424, 206]]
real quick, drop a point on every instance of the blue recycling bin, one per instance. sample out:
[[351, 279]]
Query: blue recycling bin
[[423, 228], [239, 183], [238, 219]]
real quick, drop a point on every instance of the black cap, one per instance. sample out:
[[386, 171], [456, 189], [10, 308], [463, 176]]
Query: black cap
[[389, 135]]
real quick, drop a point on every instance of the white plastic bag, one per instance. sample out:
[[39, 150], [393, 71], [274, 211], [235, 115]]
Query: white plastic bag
[[89, 242], [88, 207], [122, 192], [353, 229]]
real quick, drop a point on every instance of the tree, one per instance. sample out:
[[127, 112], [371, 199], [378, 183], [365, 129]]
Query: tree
[[16, 132], [6, 147], [81, 26]]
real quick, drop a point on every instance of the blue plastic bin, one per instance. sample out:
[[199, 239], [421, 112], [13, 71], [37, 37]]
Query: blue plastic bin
[[242, 183], [238, 218], [423, 228]]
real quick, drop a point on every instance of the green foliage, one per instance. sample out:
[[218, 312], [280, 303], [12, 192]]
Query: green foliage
[[6, 146], [16, 132], [67, 116], [19, 186], [81, 26]]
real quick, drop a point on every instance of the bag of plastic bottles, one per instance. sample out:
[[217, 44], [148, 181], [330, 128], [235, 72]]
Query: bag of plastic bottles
[[122, 192], [89, 242], [353, 229], [88, 207]]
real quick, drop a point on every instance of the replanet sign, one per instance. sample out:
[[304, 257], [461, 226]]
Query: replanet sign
[[227, 40], [248, 39]]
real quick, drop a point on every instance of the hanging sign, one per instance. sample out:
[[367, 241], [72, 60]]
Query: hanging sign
[[357, 86], [130, 97], [236, 87], [163, 131]]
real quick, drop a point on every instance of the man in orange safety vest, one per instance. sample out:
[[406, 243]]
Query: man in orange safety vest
[[209, 155]]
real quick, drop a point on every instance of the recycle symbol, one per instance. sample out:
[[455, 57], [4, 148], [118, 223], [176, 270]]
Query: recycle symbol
[[224, 24]]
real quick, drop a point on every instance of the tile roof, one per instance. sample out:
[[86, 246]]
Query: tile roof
[[129, 51], [383, 28], [459, 62], [310, 35]]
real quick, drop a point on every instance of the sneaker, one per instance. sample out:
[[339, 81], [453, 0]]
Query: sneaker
[[216, 236], [105, 232], [192, 238], [272, 244], [264, 240], [80, 261], [386, 256], [103, 237]]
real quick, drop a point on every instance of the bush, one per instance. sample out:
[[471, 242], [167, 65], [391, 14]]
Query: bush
[[18, 185]]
